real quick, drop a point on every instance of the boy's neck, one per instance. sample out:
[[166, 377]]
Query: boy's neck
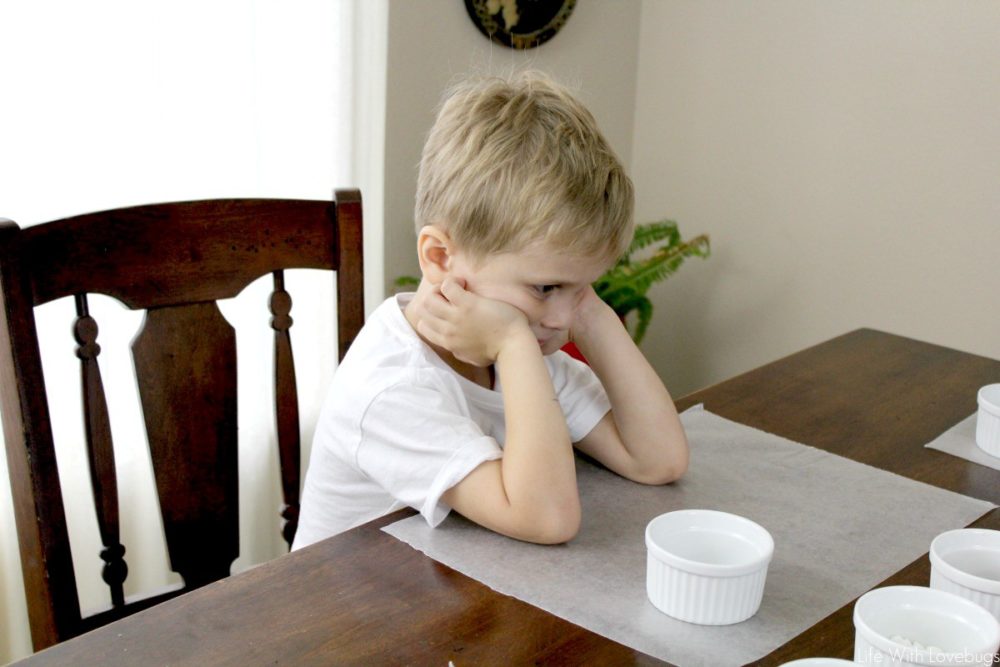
[[484, 377]]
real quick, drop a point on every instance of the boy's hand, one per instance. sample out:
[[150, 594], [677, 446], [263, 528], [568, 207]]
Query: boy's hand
[[590, 312], [471, 327]]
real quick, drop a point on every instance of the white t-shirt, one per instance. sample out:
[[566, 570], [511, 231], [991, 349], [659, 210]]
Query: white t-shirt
[[399, 427]]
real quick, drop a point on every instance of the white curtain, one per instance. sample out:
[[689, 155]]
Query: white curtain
[[108, 103]]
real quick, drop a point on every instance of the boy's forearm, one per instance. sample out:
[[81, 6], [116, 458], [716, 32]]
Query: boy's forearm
[[539, 472], [642, 407]]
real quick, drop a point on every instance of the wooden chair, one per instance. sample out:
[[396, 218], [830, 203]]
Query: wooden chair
[[174, 261]]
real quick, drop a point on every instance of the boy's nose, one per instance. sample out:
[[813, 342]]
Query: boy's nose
[[560, 315]]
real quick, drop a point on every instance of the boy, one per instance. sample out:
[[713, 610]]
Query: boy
[[457, 396]]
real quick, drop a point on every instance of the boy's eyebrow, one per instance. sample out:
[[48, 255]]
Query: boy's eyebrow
[[549, 279], [553, 281]]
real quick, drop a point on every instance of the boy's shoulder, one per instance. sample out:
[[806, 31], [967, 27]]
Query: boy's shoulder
[[385, 341], [388, 352]]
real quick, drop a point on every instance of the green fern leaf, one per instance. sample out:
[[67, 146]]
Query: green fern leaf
[[652, 232]]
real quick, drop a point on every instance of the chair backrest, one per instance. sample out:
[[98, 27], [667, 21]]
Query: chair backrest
[[174, 261]]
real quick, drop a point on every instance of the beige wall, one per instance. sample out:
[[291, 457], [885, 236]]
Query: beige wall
[[845, 158], [431, 42]]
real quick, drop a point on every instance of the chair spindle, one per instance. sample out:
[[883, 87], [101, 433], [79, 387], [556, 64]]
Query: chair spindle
[[100, 451], [286, 406]]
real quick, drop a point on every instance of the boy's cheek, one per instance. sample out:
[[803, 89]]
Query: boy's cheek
[[525, 307], [494, 293]]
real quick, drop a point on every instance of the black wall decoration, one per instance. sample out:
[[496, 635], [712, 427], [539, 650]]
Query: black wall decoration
[[520, 24]]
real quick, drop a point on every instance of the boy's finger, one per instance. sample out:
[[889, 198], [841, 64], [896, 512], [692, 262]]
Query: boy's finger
[[430, 332], [426, 332], [436, 304], [452, 289]]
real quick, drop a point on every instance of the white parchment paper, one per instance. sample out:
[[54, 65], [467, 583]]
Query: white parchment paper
[[840, 528], [960, 441]]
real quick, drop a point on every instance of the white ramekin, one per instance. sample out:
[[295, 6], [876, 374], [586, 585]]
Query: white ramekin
[[706, 567], [988, 419], [967, 562], [966, 633]]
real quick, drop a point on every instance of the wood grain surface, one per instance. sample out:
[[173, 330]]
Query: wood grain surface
[[362, 597]]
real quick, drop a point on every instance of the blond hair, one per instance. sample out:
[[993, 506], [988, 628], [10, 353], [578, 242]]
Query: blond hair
[[512, 161]]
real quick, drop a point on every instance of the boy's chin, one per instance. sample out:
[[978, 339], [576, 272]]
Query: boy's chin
[[551, 346]]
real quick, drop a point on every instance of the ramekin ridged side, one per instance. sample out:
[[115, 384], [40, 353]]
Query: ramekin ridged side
[[702, 599], [987, 601]]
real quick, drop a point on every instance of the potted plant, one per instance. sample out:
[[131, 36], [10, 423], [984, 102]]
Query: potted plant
[[624, 286]]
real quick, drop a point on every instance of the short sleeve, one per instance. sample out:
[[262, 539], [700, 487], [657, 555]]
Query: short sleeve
[[580, 392], [418, 440]]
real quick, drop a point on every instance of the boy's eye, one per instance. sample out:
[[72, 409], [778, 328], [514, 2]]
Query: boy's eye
[[545, 289]]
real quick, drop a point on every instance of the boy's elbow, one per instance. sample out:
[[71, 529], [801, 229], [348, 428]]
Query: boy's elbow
[[559, 534], [672, 473], [662, 472], [671, 468], [556, 526]]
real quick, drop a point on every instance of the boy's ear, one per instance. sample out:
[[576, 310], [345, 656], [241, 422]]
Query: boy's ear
[[434, 251]]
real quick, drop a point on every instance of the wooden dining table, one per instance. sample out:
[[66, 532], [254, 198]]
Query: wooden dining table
[[365, 598]]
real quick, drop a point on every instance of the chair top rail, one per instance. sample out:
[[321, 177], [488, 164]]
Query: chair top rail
[[164, 254]]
